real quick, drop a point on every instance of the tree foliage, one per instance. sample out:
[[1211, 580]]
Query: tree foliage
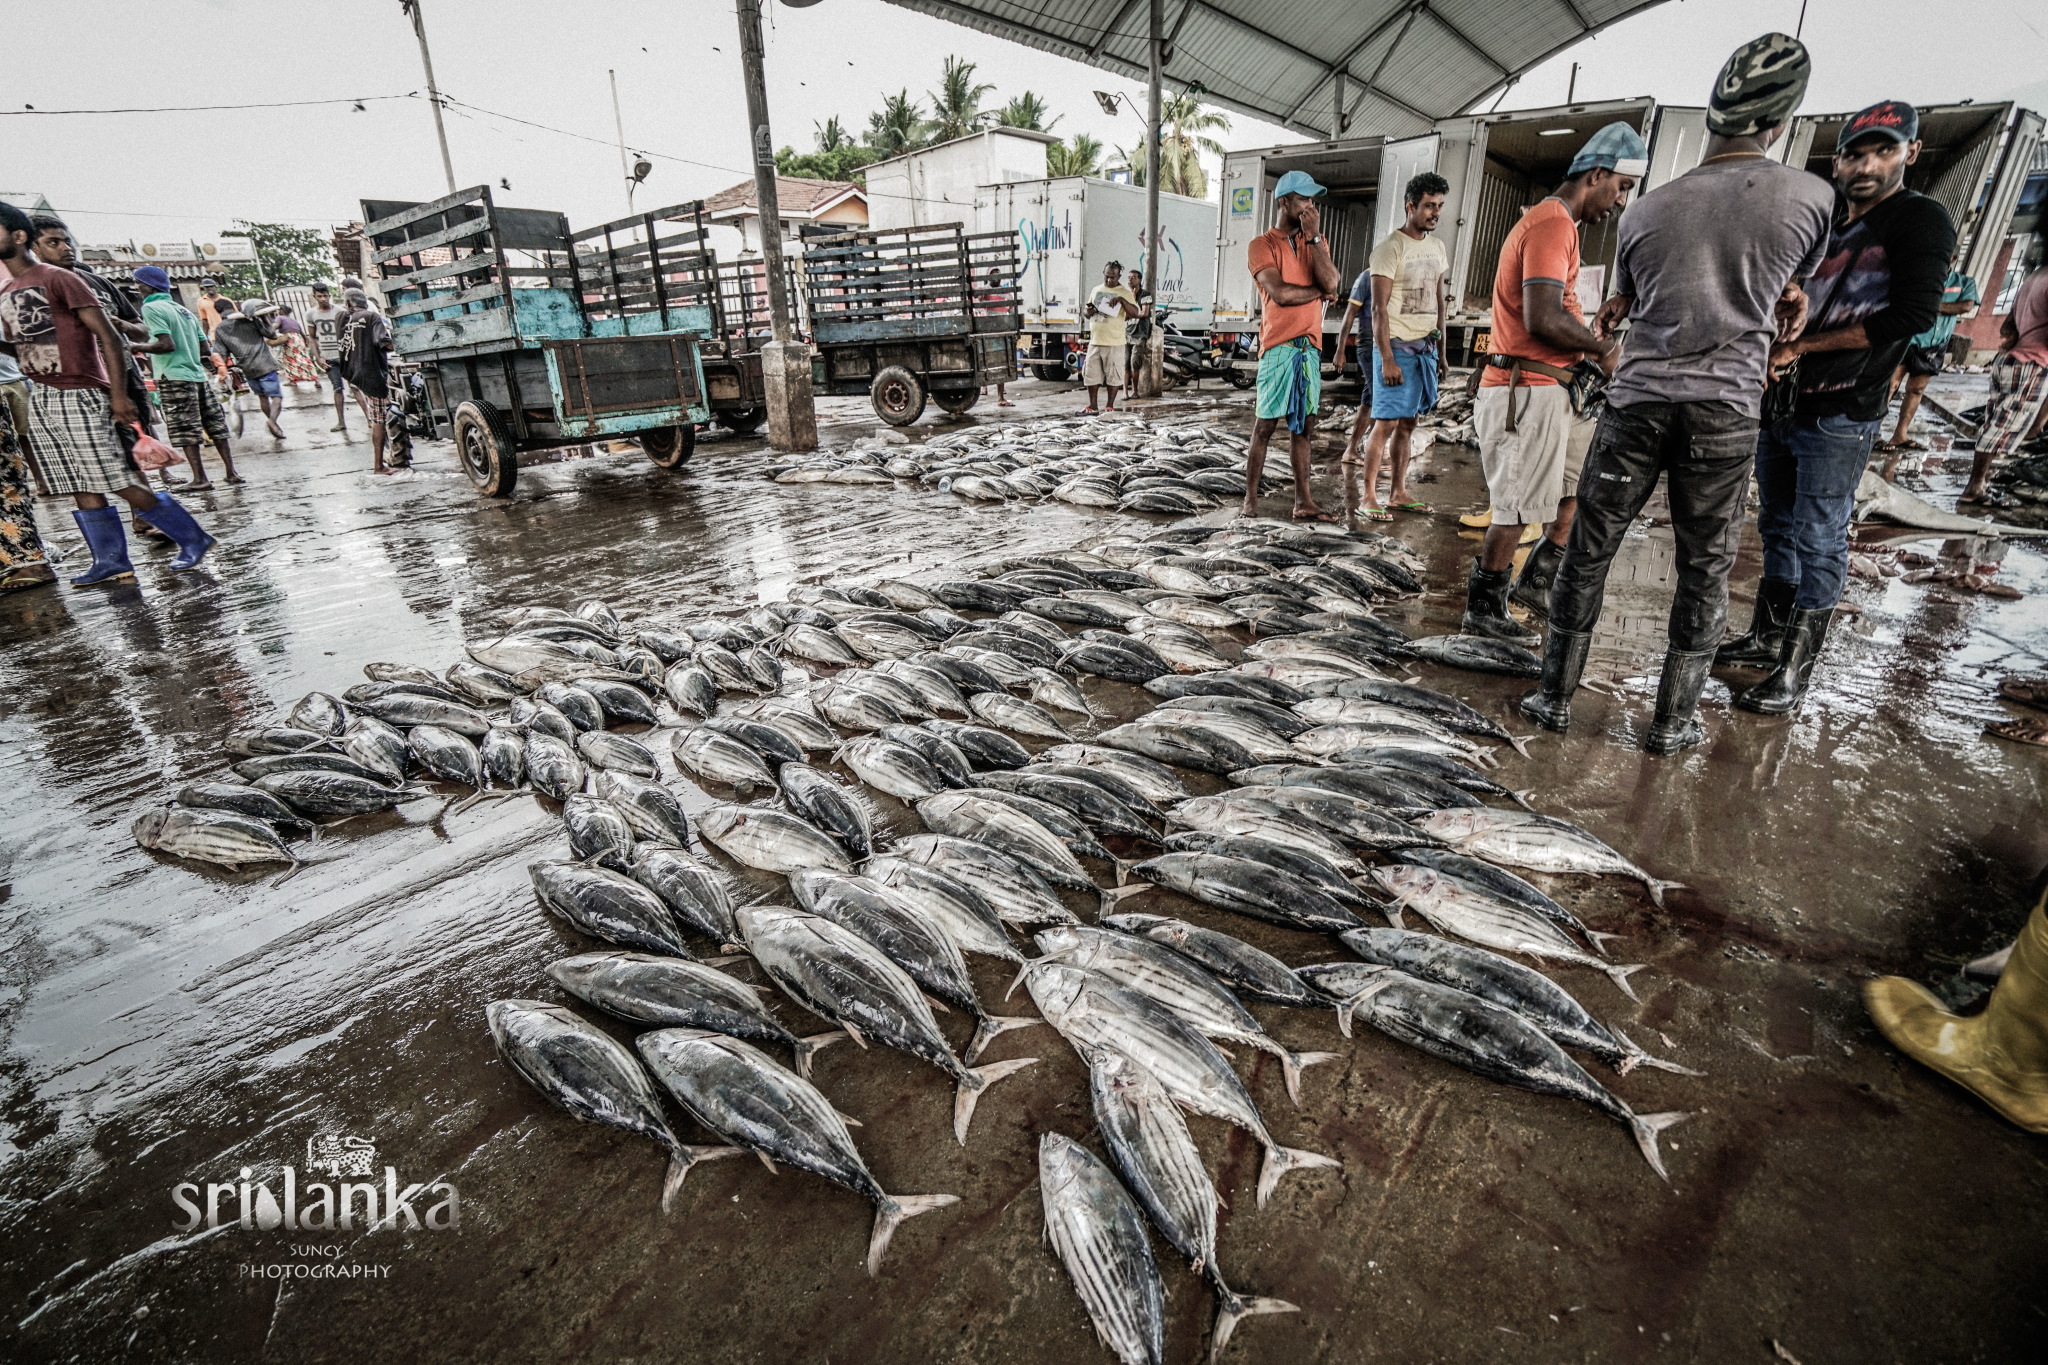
[[897, 127], [956, 104], [1027, 110], [1080, 156], [290, 255], [1184, 124]]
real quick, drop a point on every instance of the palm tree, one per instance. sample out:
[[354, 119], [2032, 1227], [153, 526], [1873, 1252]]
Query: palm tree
[[956, 104], [898, 127], [1082, 156], [832, 135], [1025, 111], [1183, 121], [1131, 161]]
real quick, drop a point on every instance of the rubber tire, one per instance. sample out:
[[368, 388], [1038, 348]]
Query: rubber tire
[[483, 446], [957, 403], [1240, 380], [745, 422], [669, 447], [906, 400], [1051, 374]]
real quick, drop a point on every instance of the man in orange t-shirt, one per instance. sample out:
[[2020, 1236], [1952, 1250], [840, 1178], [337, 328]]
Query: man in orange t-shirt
[[1528, 433], [1294, 272]]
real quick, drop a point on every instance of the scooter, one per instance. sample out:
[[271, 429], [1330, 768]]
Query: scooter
[[1190, 357]]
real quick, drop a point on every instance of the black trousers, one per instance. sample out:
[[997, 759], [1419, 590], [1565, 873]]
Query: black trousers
[[1706, 451]]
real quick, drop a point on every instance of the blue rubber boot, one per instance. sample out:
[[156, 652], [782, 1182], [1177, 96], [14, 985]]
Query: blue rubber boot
[[104, 536], [170, 517]]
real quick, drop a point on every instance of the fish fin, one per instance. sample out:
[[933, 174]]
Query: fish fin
[[1522, 798], [768, 1161], [1598, 940], [1231, 1310], [1411, 680], [1350, 1005], [1646, 1127], [1121, 892], [1280, 1160], [986, 1031], [1392, 910], [966, 1097], [890, 1214], [1621, 976], [1633, 1057], [806, 1048], [854, 1034], [1291, 1065], [682, 1159], [938, 1006], [1658, 888], [1344, 1018], [849, 1120], [1521, 742], [724, 958], [1123, 870], [465, 803], [288, 874]]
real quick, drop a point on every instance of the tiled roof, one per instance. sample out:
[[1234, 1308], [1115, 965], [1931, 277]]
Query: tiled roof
[[794, 194]]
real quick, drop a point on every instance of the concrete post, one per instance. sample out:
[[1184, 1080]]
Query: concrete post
[[1150, 378], [785, 363]]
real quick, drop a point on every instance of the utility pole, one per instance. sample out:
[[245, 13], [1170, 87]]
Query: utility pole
[[619, 123], [419, 28], [785, 362], [1155, 344]]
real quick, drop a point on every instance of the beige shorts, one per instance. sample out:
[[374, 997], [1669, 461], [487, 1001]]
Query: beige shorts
[[1529, 470], [1104, 365]]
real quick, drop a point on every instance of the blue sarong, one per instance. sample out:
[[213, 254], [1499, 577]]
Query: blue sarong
[[1291, 382]]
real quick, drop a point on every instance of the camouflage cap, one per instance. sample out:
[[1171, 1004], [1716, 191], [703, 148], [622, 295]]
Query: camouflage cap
[[1759, 87]]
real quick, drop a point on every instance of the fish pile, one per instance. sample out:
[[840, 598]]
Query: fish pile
[[1286, 770]]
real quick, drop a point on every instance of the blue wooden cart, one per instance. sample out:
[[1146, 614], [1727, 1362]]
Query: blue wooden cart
[[526, 342]]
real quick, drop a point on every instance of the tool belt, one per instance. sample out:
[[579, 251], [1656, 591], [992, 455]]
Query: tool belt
[[1585, 383]]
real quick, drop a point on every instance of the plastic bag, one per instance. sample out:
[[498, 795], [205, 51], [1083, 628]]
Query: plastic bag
[[152, 454]]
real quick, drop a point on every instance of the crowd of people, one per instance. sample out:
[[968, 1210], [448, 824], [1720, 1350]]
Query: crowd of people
[[81, 417]]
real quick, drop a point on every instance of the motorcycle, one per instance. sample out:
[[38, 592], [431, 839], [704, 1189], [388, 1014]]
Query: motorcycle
[[1190, 357]]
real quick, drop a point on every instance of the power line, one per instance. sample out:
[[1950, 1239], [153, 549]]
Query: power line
[[205, 108]]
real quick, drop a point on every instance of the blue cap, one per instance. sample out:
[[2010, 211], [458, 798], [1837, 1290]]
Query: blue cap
[[1298, 182], [152, 278], [1617, 148]]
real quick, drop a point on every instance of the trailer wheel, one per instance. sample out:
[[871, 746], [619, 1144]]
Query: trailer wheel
[[1051, 374], [957, 403], [669, 447], [898, 396], [483, 442], [746, 421]]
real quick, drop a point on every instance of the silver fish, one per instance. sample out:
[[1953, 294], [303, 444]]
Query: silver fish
[[540, 717], [855, 709], [819, 646], [1100, 1237], [691, 688], [239, 799], [617, 753], [552, 766], [407, 709], [958, 908], [934, 689], [1011, 887], [1149, 776], [377, 747], [802, 728], [212, 836], [668, 992], [890, 767], [649, 807], [725, 669], [1175, 738], [696, 893], [608, 905], [770, 840], [1003, 826], [446, 755], [1251, 972], [720, 758], [1050, 689], [320, 794], [1229, 813], [598, 831], [622, 702], [503, 752], [483, 686], [1456, 907], [579, 706], [1538, 843], [831, 807], [319, 713], [399, 673]]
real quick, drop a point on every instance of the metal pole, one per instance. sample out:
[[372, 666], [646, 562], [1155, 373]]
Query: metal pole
[[764, 166], [619, 122], [1337, 116], [262, 281], [419, 27], [1148, 382]]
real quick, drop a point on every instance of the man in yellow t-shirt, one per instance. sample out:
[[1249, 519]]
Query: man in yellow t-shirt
[[1109, 310], [1408, 270]]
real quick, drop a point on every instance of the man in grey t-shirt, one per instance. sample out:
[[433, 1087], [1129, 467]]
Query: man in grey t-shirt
[[1708, 276]]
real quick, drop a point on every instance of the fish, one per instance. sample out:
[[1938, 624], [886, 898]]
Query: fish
[[1345, 744], [649, 807], [890, 767], [1470, 912], [720, 758], [523, 657], [985, 748], [1496, 1043], [933, 686], [1149, 1142], [584, 1070], [482, 686], [1117, 788], [975, 813], [623, 703], [1095, 1015], [1346, 712], [239, 799], [800, 727], [503, 753], [1083, 801], [762, 666], [1006, 671], [1306, 652], [603, 749], [579, 706], [725, 668], [1441, 767], [598, 831], [552, 766], [446, 755], [398, 673], [1235, 813], [1263, 744], [1153, 779], [1180, 743], [1538, 843], [1446, 710], [900, 696], [1281, 722], [691, 688], [952, 904], [1479, 653], [610, 906], [771, 744], [1100, 1237], [1017, 893], [212, 835], [693, 891], [318, 713], [666, 645], [769, 840], [1257, 889], [837, 975], [1050, 689], [1406, 795], [1354, 823], [1191, 611], [1114, 662], [1069, 610], [601, 615], [1225, 683], [829, 806], [1111, 604], [267, 765], [1498, 980], [377, 748], [669, 992], [906, 596], [1162, 975], [1250, 972], [945, 757], [541, 717], [1498, 881], [405, 710], [853, 709], [1304, 678], [1292, 859], [328, 794]]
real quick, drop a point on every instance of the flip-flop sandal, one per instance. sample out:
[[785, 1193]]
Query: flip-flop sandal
[[1316, 516], [2021, 731], [2026, 691], [1908, 445], [1375, 514], [1411, 507]]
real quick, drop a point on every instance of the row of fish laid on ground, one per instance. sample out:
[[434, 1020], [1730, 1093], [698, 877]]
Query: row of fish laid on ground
[[1334, 761]]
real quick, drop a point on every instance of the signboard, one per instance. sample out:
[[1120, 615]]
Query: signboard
[[167, 251], [1241, 201], [230, 249]]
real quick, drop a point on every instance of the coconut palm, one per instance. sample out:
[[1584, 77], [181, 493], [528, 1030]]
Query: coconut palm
[[1025, 111], [956, 104], [898, 127], [832, 135], [1082, 156], [1183, 121]]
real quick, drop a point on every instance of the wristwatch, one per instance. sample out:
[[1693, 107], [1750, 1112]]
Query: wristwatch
[[1316, 240]]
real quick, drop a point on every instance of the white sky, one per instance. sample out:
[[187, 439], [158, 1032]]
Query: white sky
[[185, 175]]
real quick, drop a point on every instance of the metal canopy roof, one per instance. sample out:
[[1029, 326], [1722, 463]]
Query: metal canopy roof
[[1401, 64]]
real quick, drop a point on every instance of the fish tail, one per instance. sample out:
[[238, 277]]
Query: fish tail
[[1633, 1057], [681, 1159], [1280, 1160], [807, 1048], [1646, 1127], [890, 1214], [1658, 888], [1292, 1065], [1621, 975], [465, 803], [1123, 869], [1232, 1309], [967, 1096], [1522, 798], [1392, 910], [990, 1026], [1119, 892], [288, 874], [1598, 939]]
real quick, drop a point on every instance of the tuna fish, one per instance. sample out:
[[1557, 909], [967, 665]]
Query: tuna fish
[[1181, 743], [503, 752], [695, 892], [378, 748], [1538, 843], [607, 905], [1497, 880], [598, 831], [668, 992], [579, 706], [770, 840], [324, 761], [1455, 907], [616, 753], [1011, 887], [720, 758], [1479, 653], [1251, 972], [1006, 712], [890, 767], [244, 800], [319, 713], [542, 718], [1239, 884], [985, 748], [483, 686], [1354, 823], [552, 766], [212, 836], [1234, 813], [691, 689], [1100, 1237], [933, 687], [1148, 776], [650, 808], [964, 913], [829, 806], [332, 795], [1003, 826]]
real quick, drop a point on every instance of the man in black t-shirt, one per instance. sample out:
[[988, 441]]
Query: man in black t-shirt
[[366, 362], [1879, 284]]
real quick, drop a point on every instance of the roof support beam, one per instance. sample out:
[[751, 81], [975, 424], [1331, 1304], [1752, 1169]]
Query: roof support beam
[[1109, 29], [1481, 53]]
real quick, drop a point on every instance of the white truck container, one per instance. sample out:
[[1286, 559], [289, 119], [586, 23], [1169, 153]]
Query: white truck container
[[940, 184], [1069, 229]]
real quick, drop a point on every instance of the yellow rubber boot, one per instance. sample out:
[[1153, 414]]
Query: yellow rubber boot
[[1477, 521], [2001, 1055]]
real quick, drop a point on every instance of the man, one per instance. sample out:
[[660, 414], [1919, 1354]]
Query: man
[[1408, 270], [1707, 273], [365, 359], [1926, 356], [245, 334], [997, 299], [177, 350], [1109, 308], [323, 321], [1531, 441], [54, 327], [1139, 334], [2019, 384], [1879, 285], [1292, 267], [209, 303]]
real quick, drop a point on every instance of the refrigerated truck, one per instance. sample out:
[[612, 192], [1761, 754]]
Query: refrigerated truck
[[1068, 231]]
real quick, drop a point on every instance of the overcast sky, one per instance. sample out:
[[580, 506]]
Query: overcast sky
[[184, 175]]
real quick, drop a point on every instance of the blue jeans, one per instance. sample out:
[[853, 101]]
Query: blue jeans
[[1807, 469]]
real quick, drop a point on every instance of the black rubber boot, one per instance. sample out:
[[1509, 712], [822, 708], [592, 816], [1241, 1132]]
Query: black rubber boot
[[1486, 608], [1677, 725], [1539, 570], [1759, 648], [1564, 659], [1804, 635]]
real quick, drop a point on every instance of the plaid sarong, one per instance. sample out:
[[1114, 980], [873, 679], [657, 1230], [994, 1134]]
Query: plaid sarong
[[72, 432], [2017, 390], [193, 414]]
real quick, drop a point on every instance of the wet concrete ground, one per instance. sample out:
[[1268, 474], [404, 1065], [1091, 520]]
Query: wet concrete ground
[[169, 1023]]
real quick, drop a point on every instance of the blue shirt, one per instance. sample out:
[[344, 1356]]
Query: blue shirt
[[1957, 288], [1361, 294]]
